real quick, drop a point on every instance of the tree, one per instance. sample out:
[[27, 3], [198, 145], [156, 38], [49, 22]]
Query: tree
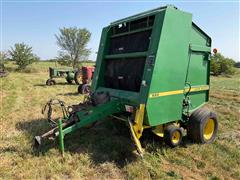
[[64, 59], [222, 65], [3, 56], [22, 54], [73, 43]]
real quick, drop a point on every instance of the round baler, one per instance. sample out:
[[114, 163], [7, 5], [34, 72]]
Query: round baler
[[153, 69]]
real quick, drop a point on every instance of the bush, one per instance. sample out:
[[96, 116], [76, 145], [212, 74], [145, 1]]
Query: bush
[[222, 65], [22, 55]]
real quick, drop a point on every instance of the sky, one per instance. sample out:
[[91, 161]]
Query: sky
[[36, 22]]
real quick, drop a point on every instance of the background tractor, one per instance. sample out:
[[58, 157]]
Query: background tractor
[[81, 76]]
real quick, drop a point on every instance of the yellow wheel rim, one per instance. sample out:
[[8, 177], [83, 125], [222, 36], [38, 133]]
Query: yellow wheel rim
[[209, 129], [176, 137]]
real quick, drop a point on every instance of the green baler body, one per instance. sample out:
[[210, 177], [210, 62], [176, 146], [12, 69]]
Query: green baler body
[[153, 58]]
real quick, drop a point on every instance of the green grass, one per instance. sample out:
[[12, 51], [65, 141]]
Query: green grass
[[106, 151]]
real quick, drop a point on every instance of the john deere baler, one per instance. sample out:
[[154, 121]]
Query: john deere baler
[[152, 69]]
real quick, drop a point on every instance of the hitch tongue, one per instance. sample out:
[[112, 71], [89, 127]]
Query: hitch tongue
[[48, 135]]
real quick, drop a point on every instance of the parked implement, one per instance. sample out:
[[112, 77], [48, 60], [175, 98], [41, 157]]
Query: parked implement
[[153, 71]]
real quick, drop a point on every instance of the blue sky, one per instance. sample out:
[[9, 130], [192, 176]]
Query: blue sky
[[35, 23]]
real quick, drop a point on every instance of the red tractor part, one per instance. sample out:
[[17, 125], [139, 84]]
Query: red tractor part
[[87, 75]]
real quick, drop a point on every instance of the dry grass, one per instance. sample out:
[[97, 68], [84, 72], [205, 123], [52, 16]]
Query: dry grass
[[106, 151]]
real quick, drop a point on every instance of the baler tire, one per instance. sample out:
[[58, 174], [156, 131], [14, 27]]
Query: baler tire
[[173, 136], [80, 88], [78, 77], [202, 126]]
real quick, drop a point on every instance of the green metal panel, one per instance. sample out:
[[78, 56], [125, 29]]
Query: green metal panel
[[199, 65], [153, 48], [170, 68]]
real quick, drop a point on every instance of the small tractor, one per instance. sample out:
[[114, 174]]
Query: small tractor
[[152, 71], [82, 77], [68, 73]]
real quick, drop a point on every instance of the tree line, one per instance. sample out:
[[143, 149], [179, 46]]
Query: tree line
[[73, 49]]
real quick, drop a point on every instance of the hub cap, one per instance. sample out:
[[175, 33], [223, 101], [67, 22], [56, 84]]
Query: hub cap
[[209, 129], [176, 137]]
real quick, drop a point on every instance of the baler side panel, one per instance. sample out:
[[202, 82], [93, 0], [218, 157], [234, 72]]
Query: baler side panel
[[170, 68], [199, 67]]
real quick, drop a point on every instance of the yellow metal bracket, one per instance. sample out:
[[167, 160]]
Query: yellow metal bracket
[[138, 121], [135, 139], [137, 127]]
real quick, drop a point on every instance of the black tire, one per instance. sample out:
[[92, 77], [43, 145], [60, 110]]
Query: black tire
[[80, 88], [50, 82], [202, 126], [173, 135], [78, 77], [86, 88]]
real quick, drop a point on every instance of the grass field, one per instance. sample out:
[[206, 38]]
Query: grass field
[[106, 151]]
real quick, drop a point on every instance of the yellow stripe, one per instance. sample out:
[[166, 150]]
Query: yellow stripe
[[167, 93], [198, 88]]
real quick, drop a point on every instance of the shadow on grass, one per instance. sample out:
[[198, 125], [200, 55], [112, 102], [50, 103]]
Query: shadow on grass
[[40, 85], [57, 84], [107, 141], [153, 143], [35, 128], [69, 94]]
